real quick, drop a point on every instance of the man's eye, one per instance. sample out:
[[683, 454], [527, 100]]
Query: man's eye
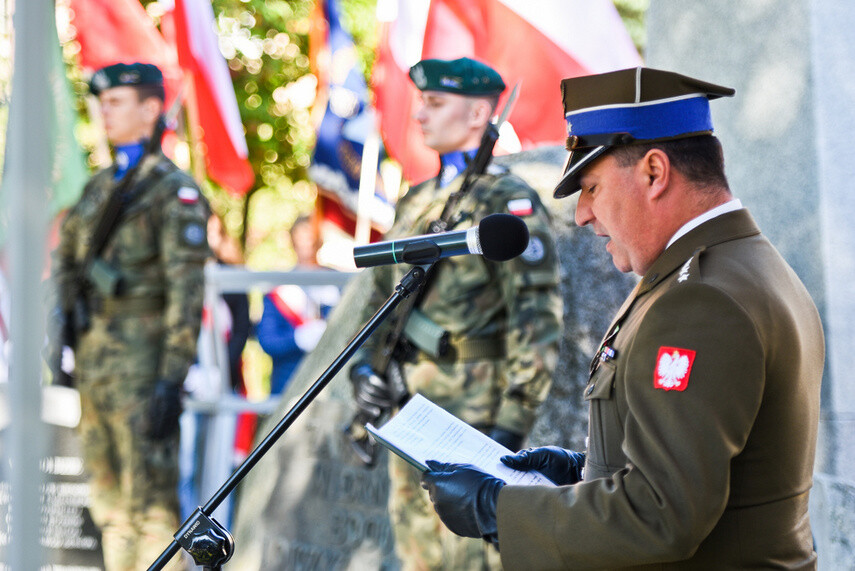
[[590, 189]]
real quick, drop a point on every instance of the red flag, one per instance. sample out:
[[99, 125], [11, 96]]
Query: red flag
[[113, 31], [535, 44], [222, 133], [121, 31]]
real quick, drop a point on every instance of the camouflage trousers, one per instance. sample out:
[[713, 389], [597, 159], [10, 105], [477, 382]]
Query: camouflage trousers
[[133, 479], [422, 542]]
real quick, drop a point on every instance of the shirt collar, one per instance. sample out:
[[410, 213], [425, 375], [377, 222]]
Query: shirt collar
[[453, 164], [127, 156], [728, 206]]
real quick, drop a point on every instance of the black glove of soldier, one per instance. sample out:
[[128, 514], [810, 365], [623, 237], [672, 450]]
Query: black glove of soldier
[[372, 393], [373, 398], [507, 438], [464, 498], [563, 467], [164, 409], [59, 336]]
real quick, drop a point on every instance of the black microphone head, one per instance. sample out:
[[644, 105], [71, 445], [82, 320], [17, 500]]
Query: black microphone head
[[502, 236]]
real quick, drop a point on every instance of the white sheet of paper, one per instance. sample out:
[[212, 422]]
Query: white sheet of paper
[[422, 431]]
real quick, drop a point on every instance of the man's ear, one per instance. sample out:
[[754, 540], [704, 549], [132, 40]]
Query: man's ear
[[656, 169], [481, 111], [152, 108]]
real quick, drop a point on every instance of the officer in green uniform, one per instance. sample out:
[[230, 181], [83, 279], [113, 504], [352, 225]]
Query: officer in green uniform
[[704, 394], [136, 336], [500, 321]]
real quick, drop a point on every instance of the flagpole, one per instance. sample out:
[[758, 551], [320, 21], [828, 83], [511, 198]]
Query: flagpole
[[367, 185], [26, 181], [196, 155]]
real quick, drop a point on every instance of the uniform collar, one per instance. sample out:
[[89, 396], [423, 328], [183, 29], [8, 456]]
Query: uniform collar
[[728, 206], [722, 228]]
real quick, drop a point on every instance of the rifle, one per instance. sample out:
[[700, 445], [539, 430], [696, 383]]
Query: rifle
[[66, 325], [396, 348]]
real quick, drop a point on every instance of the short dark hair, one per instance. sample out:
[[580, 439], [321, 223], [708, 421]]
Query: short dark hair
[[493, 100], [700, 159], [150, 90]]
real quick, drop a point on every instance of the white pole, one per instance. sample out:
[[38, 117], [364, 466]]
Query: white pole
[[367, 186], [27, 179]]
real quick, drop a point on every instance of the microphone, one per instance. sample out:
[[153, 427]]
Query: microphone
[[498, 237]]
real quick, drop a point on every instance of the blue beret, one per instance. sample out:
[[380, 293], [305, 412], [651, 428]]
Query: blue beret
[[638, 105]]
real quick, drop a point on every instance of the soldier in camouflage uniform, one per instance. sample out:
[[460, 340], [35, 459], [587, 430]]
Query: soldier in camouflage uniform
[[502, 319], [142, 328]]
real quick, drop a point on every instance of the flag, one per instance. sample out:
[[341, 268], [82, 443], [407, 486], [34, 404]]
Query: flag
[[535, 44], [222, 136], [121, 31], [69, 172], [347, 122], [113, 31]]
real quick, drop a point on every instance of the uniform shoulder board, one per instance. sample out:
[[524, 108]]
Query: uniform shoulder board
[[162, 168]]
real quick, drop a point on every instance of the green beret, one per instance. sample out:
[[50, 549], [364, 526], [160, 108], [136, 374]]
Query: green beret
[[125, 74], [463, 76]]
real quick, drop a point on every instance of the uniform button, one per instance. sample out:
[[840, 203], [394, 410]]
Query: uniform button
[[590, 389]]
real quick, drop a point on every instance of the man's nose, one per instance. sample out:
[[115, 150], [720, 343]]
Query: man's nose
[[584, 214]]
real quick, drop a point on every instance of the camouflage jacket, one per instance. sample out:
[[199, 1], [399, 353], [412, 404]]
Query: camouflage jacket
[[512, 306], [158, 248]]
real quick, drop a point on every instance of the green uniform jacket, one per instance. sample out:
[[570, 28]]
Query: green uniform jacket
[[702, 426], [513, 305], [159, 248]]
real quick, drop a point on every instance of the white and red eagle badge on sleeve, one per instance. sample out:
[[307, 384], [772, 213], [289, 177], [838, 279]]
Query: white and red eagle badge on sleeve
[[673, 367]]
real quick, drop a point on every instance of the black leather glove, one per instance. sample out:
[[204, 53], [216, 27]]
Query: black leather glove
[[563, 467], [371, 391], [464, 498], [164, 409], [507, 438], [59, 335]]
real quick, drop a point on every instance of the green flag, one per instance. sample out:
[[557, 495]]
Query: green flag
[[68, 172]]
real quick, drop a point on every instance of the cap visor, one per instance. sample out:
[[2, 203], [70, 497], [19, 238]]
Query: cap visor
[[576, 161]]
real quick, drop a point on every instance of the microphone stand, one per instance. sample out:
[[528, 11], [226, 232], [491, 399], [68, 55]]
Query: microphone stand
[[208, 542]]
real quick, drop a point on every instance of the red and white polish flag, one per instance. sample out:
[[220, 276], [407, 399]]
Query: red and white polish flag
[[226, 152], [535, 44]]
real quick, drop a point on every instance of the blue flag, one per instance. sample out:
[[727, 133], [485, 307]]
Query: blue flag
[[347, 122]]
